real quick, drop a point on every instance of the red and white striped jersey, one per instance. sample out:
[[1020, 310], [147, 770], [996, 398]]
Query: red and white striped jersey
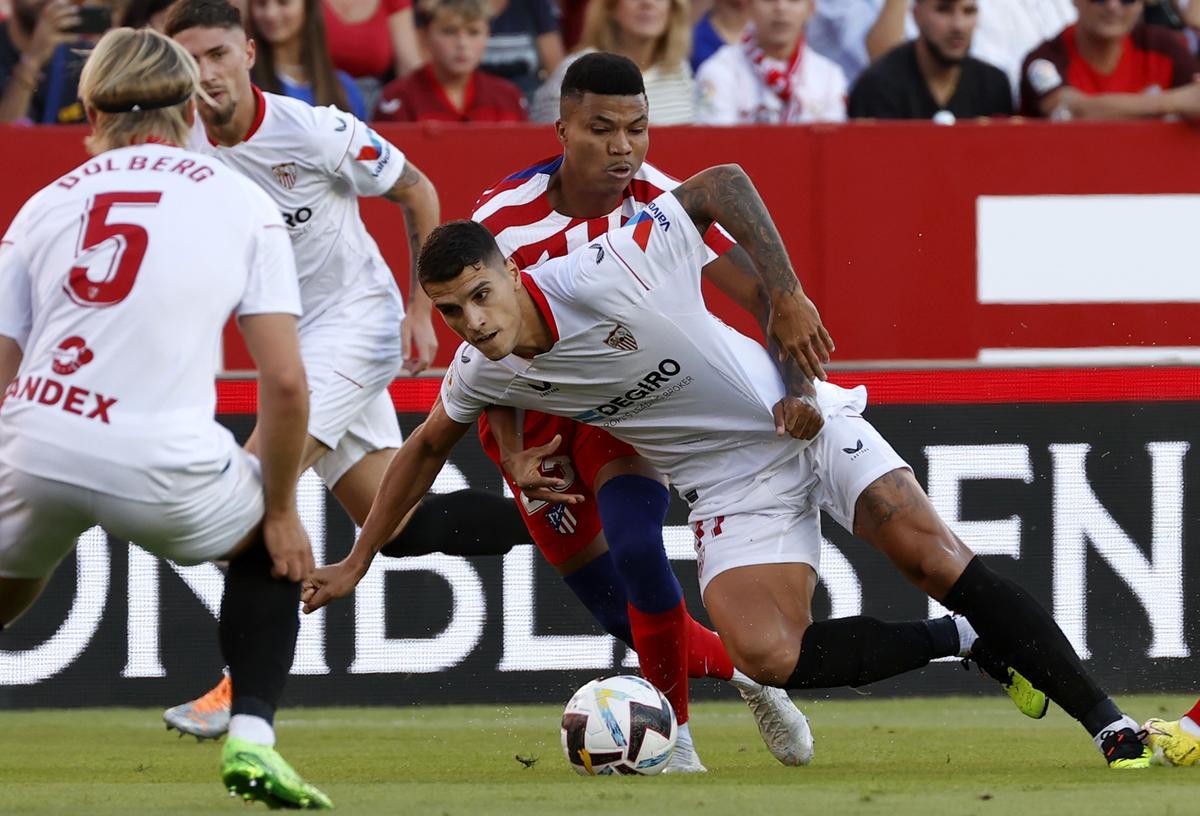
[[517, 211]]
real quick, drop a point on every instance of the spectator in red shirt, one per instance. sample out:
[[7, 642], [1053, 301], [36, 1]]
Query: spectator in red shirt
[[371, 40], [450, 87], [1109, 65]]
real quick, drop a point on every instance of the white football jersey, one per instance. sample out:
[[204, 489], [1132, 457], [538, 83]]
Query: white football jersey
[[118, 279], [637, 353], [314, 163]]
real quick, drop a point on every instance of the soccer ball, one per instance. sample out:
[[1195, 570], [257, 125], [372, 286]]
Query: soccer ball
[[618, 725]]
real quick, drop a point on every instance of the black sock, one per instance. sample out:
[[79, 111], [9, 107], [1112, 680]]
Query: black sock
[[1026, 636], [465, 522], [260, 618], [860, 650]]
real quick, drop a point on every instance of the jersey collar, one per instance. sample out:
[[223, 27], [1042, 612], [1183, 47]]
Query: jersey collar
[[542, 304], [260, 113]]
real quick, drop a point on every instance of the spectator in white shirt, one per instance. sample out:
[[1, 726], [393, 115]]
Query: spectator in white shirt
[[771, 76], [656, 35]]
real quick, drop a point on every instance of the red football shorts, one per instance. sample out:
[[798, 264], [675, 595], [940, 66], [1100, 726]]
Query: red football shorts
[[560, 530]]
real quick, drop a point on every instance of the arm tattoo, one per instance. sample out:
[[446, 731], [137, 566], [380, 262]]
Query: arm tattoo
[[408, 177], [727, 195]]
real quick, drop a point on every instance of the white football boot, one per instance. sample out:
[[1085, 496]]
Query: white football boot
[[783, 728], [684, 758]]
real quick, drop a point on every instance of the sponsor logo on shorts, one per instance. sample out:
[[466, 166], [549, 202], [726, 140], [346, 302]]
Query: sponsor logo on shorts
[[71, 355], [858, 450], [621, 339], [652, 387]]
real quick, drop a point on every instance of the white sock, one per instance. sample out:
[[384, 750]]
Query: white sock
[[1190, 726], [1115, 725], [685, 735], [252, 729], [966, 635], [741, 681]]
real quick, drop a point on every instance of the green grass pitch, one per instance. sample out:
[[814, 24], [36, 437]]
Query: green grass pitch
[[885, 757]]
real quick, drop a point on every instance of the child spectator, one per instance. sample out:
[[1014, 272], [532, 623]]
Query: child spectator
[[525, 44], [771, 76], [721, 25], [292, 58], [656, 35], [1109, 65], [934, 72], [450, 87]]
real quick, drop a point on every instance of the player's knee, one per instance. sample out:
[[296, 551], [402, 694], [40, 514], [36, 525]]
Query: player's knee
[[767, 658]]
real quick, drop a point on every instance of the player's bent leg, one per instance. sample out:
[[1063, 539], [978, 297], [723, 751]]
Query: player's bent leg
[[895, 515], [16, 596], [258, 627]]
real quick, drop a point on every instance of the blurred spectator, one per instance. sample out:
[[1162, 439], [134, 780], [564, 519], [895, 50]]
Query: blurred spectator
[[371, 40], [771, 76], [1007, 30], [934, 73], [524, 46], [721, 25], [40, 61], [292, 59], [146, 14], [450, 87], [1110, 65], [570, 22], [656, 35]]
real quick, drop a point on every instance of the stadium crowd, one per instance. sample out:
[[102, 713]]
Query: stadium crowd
[[717, 62]]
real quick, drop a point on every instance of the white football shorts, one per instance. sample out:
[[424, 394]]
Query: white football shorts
[[41, 519], [351, 354], [845, 458]]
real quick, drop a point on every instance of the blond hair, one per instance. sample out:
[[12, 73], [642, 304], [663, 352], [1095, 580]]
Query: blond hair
[[601, 32], [138, 86]]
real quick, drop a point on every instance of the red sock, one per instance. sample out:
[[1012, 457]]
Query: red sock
[[706, 653], [1194, 714], [661, 641]]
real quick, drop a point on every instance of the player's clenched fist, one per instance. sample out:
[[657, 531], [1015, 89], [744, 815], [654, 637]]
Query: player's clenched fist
[[798, 417], [329, 583]]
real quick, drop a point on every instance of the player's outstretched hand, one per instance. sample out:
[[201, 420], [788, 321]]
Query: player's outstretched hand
[[795, 326], [328, 584], [418, 340], [797, 417], [288, 545], [531, 473]]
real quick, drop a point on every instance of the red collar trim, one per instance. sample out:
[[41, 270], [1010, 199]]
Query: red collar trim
[[540, 301], [440, 90], [260, 113]]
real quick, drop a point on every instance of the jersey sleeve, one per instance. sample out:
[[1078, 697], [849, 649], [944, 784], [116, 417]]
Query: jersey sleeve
[[366, 161], [1043, 72], [462, 401], [660, 245], [271, 285], [16, 307]]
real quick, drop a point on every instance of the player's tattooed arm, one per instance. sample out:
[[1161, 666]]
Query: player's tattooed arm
[[726, 195], [418, 201]]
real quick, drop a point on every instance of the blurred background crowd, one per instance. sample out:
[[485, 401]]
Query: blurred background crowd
[[714, 62]]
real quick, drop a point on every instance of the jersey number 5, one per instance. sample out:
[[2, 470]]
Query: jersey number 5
[[120, 260]]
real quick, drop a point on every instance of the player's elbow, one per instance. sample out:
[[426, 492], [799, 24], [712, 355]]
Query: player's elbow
[[286, 385]]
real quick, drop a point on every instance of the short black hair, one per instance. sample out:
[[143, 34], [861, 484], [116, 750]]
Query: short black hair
[[602, 73], [454, 246], [187, 14]]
